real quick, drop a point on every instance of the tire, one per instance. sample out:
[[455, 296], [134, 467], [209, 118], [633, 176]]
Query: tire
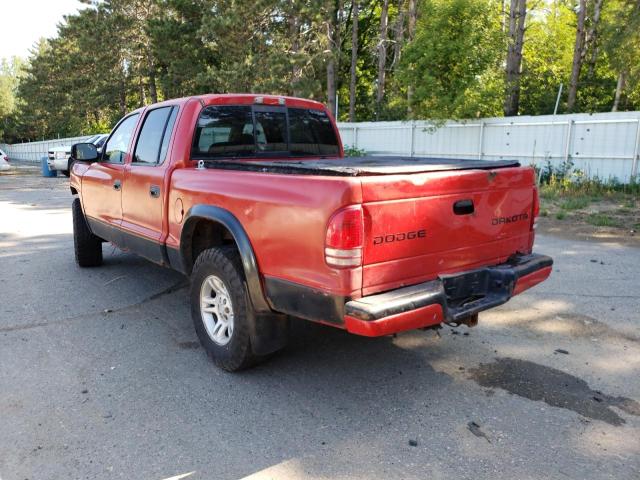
[[231, 348], [87, 247], [66, 173]]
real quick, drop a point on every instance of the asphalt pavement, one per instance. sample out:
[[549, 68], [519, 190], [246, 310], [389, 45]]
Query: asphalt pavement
[[102, 377]]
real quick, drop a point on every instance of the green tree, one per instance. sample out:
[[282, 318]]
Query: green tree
[[11, 70], [453, 71], [544, 68]]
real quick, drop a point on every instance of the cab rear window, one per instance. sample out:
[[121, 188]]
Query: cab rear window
[[244, 131]]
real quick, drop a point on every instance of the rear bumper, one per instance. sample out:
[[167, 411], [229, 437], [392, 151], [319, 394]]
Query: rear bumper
[[450, 298]]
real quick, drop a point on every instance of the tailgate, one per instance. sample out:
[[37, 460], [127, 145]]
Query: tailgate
[[421, 225]]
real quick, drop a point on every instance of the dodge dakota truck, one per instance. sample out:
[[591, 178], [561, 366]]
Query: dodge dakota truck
[[252, 198]]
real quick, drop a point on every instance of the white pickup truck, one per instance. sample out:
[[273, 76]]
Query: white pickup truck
[[58, 157], [4, 161]]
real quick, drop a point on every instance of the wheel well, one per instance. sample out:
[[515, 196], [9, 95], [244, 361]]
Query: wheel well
[[205, 234]]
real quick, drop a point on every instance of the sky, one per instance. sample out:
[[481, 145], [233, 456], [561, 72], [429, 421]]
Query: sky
[[24, 22]]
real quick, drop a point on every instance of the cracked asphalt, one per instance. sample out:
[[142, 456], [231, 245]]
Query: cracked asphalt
[[102, 377]]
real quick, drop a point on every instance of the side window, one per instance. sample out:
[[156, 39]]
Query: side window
[[116, 148], [100, 142], [224, 131], [147, 149], [167, 134]]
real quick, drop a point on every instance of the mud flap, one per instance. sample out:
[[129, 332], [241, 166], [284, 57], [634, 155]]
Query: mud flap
[[269, 333]]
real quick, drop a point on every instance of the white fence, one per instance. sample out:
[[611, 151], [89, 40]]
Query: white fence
[[34, 151], [603, 144]]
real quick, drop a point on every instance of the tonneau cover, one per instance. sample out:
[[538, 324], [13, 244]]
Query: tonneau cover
[[359, 166]]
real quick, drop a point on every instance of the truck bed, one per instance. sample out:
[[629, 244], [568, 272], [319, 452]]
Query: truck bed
[[358, 166]]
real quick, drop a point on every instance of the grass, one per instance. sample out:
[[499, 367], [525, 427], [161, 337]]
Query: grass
[[602, 220], [585, 201], [576, 193], [575, 203]]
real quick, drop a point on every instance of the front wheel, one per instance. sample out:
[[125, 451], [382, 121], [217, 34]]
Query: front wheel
[[220, 308]]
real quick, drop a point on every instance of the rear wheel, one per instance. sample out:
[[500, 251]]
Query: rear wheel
[[220, 309], [87, 247]]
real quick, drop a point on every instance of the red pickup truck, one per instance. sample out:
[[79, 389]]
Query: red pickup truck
[[252, 197]]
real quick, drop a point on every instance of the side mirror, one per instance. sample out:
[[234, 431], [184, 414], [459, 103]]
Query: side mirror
[[84, 152]]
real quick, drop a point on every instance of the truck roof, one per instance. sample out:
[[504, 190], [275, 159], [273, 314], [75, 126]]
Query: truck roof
[[258, 98], [244, 99]]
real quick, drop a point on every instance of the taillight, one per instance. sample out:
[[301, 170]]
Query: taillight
[[536, 208], [345, 232]]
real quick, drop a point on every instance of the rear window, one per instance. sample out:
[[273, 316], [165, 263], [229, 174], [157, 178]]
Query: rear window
[[224, 131], [311, 133], [237, 131]]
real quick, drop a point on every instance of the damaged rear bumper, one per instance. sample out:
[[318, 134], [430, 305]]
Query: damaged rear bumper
[[450, 298]]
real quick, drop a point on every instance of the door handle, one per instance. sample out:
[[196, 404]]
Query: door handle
[[154, 191], [117, 185], [463, 207]]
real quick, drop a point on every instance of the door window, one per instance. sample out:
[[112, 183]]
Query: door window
[[100, 141], [116, 148], [148, 148]]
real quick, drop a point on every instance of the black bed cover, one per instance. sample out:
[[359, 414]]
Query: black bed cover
[[359, 166]]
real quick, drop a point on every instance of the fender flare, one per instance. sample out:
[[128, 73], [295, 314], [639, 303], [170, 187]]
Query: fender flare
[[233, 225]]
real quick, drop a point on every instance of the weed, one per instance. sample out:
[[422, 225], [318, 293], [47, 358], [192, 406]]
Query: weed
[[575, 203], [350, 151], [602, 220], [561, 215], [565, 180]]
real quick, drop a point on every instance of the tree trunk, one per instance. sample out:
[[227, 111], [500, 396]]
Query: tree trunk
[[333, 61], [153, 88], [592, 36], [122, 98], [411, 30], [382, 55], [354, 61], [294, 33], [412, 10], [517, 15], [143, 95], [398, 33], [503, 16], [577, 57], [619, 89], [331, 85]]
